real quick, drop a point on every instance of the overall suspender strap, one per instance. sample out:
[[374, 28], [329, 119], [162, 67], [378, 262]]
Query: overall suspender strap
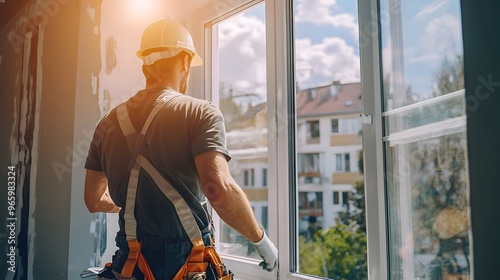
[[134, 141], [181, 207]]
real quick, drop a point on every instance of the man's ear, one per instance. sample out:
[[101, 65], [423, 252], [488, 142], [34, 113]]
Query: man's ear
[[185, 62]]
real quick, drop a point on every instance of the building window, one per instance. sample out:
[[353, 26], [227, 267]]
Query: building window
[[350, 125], [343, 162], [311, 201], [264, 177], [335, 126], [265, 223], [309, 164], [345, 198], [249, 177], [312, 129], [336, 198], [347, 162]]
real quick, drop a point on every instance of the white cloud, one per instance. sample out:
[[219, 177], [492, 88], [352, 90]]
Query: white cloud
[[319, 64], [444, 33], [242, 57], [242, 54], [320, 12]]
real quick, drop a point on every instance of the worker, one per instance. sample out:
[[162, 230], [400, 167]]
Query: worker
[[185, 143]]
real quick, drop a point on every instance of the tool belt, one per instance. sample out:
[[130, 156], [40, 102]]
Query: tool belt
[[202, 259]]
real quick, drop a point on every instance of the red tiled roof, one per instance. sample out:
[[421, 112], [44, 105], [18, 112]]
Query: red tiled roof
[[324, 102]]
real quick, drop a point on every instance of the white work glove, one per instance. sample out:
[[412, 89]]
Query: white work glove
[[267, 252]]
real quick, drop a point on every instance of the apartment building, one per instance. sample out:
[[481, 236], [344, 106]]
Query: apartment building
[[328, 144]]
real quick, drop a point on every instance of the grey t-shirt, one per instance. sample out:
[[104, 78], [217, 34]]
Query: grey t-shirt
[[183, 129]]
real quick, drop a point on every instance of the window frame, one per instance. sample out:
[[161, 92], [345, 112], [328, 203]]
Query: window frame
[[245, 267], [373, 151], [280, 67]]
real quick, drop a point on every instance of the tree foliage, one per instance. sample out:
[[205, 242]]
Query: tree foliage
[[338, 253]]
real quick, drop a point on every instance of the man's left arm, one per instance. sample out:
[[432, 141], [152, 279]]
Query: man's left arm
[[96, 193]]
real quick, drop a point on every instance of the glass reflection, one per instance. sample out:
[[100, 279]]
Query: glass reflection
[[329, 206], [425, 139], [243, 102]]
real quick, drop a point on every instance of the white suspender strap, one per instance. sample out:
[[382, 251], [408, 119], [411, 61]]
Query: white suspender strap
[[183, 210], [134, 142], [128, 129]]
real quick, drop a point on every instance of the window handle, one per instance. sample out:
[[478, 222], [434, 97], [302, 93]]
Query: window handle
[[366, 119]]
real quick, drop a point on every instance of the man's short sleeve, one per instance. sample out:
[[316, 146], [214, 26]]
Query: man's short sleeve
[[93, 161], [210, 133]]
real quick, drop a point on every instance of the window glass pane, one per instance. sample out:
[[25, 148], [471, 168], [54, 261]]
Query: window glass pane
[[241, 60], [347, 163], [264, 177], [425, 140], [336, 198], [328, 105], [335, 126], [339, 163]]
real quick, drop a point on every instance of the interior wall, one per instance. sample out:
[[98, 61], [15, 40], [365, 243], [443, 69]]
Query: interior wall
[[37, 85], [87, 239]]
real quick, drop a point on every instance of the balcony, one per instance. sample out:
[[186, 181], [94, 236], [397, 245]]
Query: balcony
[[346, 178], [345, 139]]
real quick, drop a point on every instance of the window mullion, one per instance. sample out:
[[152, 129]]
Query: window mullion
[[372, 140]]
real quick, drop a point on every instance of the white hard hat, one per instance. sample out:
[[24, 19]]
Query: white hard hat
[[170, 38]]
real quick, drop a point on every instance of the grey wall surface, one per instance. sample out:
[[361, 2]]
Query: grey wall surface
[[43, 103]]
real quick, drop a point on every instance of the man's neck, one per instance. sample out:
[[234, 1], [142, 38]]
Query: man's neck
[[165, 85]]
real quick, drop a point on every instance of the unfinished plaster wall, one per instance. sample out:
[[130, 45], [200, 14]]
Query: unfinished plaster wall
[[37, 84], [85, 232]]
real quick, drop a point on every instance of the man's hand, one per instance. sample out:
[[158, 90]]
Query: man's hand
[[267, 252]]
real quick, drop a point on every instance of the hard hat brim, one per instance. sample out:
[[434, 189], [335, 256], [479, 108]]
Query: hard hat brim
[[196, 61]]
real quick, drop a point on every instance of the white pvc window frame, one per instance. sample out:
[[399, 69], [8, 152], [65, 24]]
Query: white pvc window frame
[[371, 93], [246, 268], [281, 121]]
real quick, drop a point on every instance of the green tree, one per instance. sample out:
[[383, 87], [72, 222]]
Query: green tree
[[338, 253], [441, 182]]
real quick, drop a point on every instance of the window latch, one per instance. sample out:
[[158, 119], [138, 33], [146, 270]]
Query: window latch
[[366, 119]]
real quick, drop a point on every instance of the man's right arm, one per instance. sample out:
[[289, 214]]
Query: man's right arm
[[231, 203]]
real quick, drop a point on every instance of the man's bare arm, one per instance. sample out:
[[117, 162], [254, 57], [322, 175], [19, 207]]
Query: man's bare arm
[[96, 193], [225, 196]]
